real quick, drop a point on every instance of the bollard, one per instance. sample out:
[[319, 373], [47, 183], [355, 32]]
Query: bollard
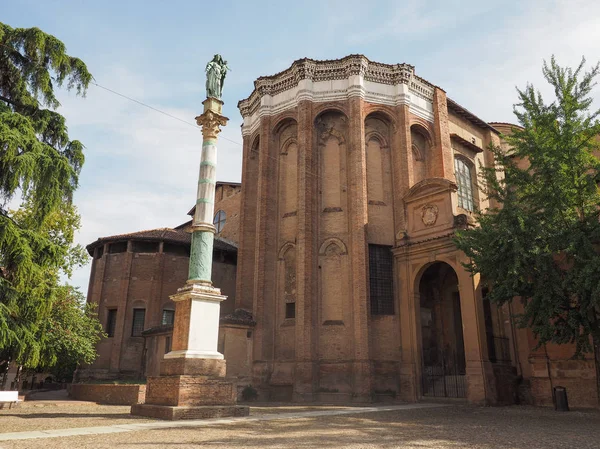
[[561, 402]]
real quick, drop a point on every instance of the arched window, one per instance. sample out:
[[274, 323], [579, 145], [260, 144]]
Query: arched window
[[219, 221], [465, 184]]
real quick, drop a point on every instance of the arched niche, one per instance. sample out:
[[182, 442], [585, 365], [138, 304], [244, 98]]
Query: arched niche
[[330, 243], [286, 284], [379, 162], [286, 138], [254, 148], [334, 288], [421, 144], [378, 132], [331, 130]]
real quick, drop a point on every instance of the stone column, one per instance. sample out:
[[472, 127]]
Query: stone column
[[191, 384]]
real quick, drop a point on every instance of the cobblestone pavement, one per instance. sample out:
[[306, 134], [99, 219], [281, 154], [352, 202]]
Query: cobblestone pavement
[[445, 427]]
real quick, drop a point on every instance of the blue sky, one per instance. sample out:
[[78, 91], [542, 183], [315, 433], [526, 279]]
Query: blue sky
[[141, 166]]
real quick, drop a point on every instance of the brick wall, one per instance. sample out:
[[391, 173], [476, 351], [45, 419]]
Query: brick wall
[[108, 394]]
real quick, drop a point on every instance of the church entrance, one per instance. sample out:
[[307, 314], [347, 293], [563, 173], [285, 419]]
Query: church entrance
[[443, 350]]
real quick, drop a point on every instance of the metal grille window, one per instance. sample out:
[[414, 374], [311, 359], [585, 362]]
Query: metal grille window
[[137, 327], [380, 280], [111, 322], [465, 184], [168, 317]]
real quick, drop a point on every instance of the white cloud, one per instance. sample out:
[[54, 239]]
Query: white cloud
[[484, 80], [141, 166]]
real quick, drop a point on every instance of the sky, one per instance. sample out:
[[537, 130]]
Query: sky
[[141, 166]]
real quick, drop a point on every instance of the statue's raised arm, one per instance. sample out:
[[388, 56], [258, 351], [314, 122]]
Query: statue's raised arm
[[215, 77]]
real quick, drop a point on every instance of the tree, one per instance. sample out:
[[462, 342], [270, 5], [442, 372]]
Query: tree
[[39, 162], [69, 335], [541, 244]]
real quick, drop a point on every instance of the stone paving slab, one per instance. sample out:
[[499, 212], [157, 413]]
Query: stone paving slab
[[202, 423]]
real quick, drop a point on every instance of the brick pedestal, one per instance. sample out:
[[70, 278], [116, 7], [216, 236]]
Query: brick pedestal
[[201, 392], [192, 383], [189, 397]]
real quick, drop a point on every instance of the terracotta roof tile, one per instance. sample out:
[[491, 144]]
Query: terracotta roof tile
[[160, 234]]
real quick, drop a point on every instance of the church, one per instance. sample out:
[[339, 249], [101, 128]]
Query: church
[[336, 253]]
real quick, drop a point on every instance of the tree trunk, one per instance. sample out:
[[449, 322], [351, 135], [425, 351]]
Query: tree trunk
[[17, 380], [6, 367]]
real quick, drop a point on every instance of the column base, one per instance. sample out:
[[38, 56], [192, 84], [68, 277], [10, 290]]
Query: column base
[[173, 413]]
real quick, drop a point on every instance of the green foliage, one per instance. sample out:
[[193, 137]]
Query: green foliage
[[541, 240], [39, 163], [70, 334]]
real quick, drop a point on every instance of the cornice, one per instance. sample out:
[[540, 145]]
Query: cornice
[[359, 77]]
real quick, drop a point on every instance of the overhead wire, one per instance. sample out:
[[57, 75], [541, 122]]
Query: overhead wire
[[141, 103]]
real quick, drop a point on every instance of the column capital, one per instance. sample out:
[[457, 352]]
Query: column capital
[[211, 123]]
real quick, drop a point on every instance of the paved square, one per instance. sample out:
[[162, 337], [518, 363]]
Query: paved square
[[453, 426]]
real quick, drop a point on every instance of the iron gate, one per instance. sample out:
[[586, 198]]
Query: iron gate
[[443, 376]]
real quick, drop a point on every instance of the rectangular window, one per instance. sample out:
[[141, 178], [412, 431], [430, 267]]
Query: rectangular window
[[144, 247], [168, 317], [380, 280], [290, 310], [139, 315], [465, 184], [117, 247], [167, 344], [111, 322]]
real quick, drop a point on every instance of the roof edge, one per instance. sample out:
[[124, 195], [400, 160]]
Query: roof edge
[[464, 112]]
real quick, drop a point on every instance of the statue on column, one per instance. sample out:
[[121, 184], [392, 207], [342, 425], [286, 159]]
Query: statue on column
[[215, 77]]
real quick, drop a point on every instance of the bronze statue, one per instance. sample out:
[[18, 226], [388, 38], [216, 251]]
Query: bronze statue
[[215, 77]]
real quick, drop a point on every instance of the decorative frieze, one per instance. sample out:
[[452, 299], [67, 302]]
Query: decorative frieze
[[334, 80]]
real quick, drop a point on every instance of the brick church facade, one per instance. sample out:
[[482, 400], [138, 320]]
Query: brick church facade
[[355, 177]]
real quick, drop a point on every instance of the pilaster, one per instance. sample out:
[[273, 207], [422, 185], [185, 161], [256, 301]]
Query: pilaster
[[358, 218], [409, 372], [305, 370], [402, 168], [480, 375], [122, 309], [262, 334], [442, 163], [244, 293]]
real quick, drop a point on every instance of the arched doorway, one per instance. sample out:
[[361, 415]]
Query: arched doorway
[[443, 350]]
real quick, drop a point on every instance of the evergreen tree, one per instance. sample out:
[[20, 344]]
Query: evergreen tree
[[542, 243], [39, 162]]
